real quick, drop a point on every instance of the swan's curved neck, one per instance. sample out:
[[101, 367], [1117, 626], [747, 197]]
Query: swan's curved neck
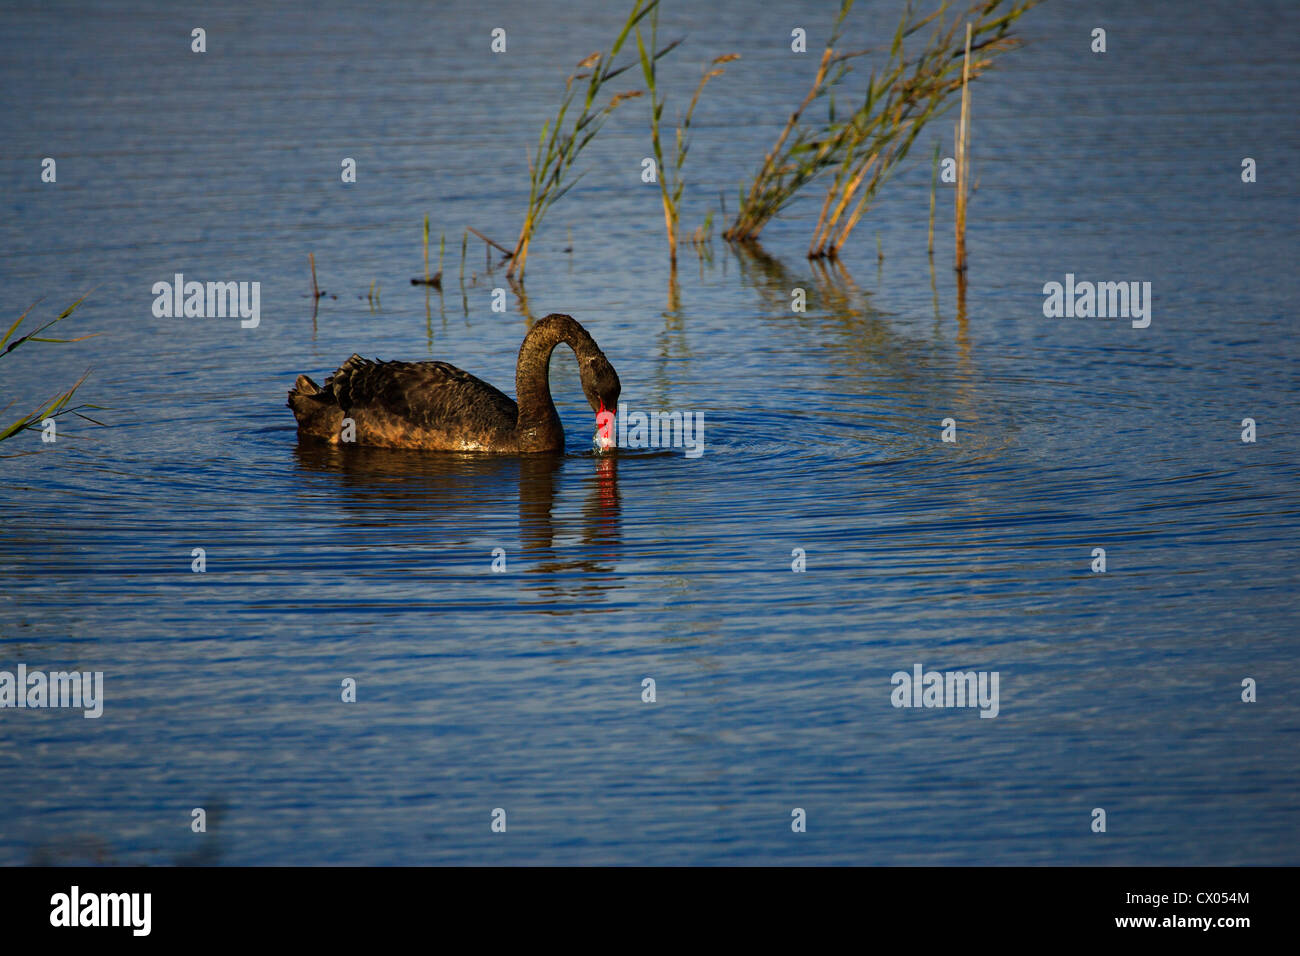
[[538, 421]]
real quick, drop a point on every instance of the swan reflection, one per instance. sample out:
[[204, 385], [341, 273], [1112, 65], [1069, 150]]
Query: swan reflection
[[391, 497]]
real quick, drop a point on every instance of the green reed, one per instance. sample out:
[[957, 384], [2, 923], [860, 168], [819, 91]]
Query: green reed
[[563, 137], [860, 151], [669, 176], [59, 404]]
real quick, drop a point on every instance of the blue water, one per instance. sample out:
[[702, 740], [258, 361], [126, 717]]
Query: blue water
[[522, 690]]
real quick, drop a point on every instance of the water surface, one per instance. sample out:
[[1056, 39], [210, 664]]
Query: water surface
[[522, 690]]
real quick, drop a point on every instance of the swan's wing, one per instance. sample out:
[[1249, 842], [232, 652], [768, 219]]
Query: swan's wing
[[425, 394]]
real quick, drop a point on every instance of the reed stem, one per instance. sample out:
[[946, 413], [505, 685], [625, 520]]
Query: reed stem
[[934, 181], [963, 158]]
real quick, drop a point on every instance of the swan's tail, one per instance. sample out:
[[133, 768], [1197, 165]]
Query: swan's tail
[[318, 414]]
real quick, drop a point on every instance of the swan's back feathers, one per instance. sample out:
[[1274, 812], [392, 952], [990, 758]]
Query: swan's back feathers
[[426, 393], [430, 404]]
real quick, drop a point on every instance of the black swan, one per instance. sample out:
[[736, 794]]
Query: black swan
[[436, 406]]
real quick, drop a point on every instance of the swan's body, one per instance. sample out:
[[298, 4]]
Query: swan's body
[[436, 406]]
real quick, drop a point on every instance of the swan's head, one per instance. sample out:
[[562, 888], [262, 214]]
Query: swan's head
[[599, 382]]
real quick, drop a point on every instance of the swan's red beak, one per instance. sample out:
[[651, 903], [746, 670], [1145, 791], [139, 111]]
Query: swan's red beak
[[604, 426]]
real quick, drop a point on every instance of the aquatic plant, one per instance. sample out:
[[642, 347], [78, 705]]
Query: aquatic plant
[[59, 404], [862, 150], [669, 176], [563, 137], [316, 292], [436, 278], [963, 162], [934, 181]]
